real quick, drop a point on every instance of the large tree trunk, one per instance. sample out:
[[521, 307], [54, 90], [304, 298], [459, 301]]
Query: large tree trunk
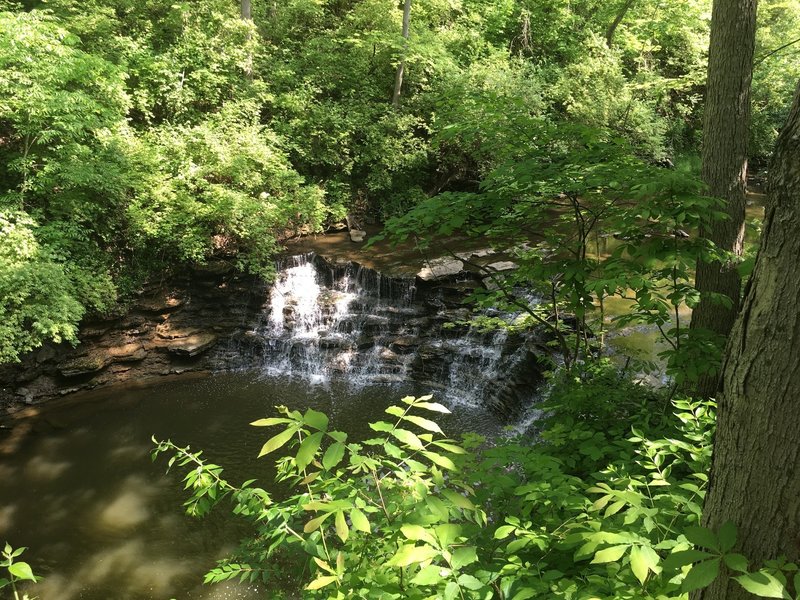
[[612, 29], [245, 6], [754, 479], [398, 80], [725, 134]]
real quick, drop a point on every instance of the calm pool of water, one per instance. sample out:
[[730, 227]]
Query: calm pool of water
[[102, 521]]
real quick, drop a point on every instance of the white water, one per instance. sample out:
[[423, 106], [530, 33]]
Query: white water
[[349, 322]]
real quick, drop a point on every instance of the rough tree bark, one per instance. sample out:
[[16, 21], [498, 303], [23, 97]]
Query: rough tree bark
[[398, 80], [725, 134], [246, 10], [754, 480]]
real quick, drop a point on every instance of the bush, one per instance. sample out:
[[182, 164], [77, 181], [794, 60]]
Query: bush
[[589, 511]]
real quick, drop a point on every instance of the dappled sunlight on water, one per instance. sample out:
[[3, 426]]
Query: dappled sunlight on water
[[40, 468], [128, 508], [102, 521]]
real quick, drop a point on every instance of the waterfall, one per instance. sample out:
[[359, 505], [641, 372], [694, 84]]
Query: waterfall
[[323, 321]]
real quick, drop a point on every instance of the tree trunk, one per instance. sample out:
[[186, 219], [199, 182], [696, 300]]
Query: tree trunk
[[247, 17], [612, 29], [754, 480], [725, 135], [398, 80]]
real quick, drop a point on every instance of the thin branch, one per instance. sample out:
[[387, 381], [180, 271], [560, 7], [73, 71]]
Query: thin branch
[[761, 59]]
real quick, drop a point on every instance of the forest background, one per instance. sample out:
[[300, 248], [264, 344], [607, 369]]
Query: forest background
[[137, 138]]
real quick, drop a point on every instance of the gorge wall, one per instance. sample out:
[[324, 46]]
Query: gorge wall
[[320, 319]]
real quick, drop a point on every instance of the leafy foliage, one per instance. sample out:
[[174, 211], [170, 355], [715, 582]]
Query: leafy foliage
[[142, 136], [18, 571], [597, 508], [584, 220]]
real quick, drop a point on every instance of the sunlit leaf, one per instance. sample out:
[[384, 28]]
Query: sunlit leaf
[[276, 442]]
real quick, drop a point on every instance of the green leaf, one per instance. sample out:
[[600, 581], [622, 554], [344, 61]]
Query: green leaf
[[430, 575], [638, 564], [408, 438], [676, 560], [614, 508], [433, 406], [424, 423], [701, 575], [323, 565], [466, 555], [459, 500], [703, 537], [269, 422], [381, 426], [308, 450], [276, 442], [321, 582], [438, 508], [342, 530], [339, 436], [417, 533], [409, 554], [452, 448], [763, 585], [451, 590], [440, 460], [359, 520], [22, 570], [610, 554], [317, 420], [395, 411], [736, 562], [447, 533], [503, 532], [470, 582], [315, 523], [333, 455]]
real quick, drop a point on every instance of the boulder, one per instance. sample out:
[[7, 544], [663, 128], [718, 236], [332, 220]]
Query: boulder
[[159, 303], [404, 344], [502, 265], [440, 267], [84, 365], [192, 345], [476, 253], [334, 341], [364, 342], [388, 356], [127, 353], [357, 235], [167, 331]]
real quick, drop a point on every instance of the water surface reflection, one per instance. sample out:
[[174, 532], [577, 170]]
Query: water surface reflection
[[102, 521]]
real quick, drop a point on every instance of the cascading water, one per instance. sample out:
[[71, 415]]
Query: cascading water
[[323, 321]]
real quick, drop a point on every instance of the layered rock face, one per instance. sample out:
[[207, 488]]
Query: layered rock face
[[324, 320], [318, 320], [168, 329]]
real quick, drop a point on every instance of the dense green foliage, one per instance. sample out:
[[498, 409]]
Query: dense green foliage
[[137, 137], [142, 137], [15, 571], [597, 508]]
